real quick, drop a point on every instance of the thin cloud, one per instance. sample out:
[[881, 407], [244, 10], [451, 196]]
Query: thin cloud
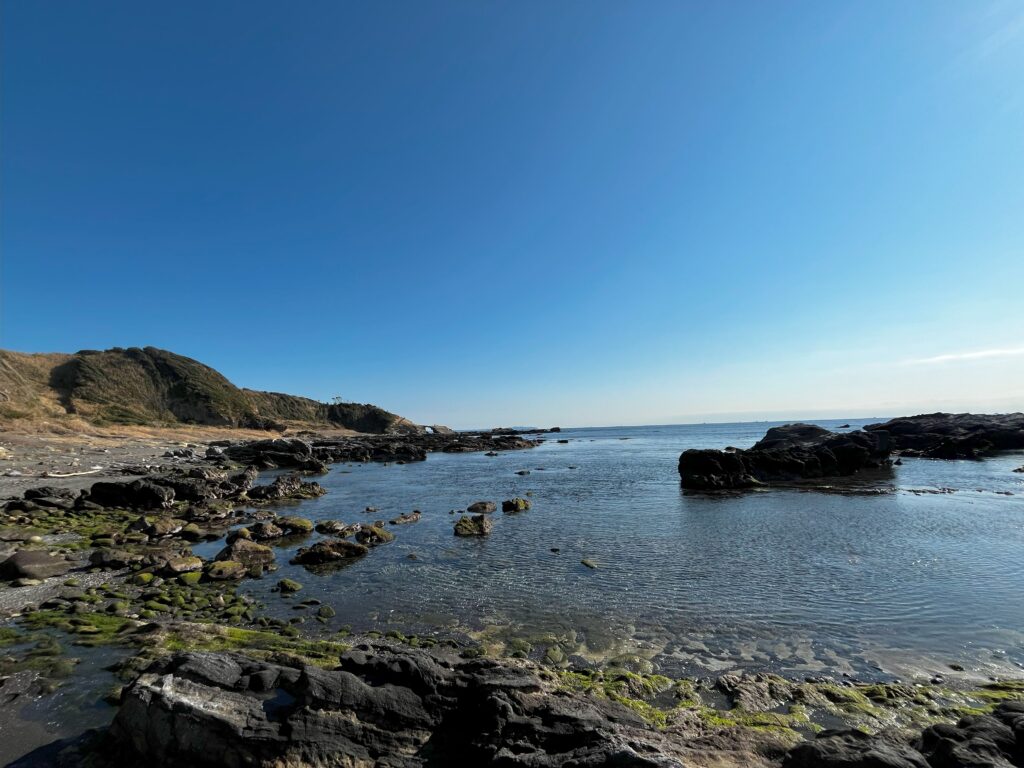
[[982, 354]]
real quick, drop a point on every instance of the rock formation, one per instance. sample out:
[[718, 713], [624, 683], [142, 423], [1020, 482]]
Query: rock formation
[[790, 453]]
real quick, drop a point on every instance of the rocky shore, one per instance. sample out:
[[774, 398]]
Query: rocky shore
[[797, 453], [206, 677]]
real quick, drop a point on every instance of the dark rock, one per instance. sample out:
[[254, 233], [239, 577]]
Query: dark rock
[[515, 505], [286, 487], [978, 741], [372, 535], [114, 558], [138, 494], [790, 453], [385, 708], [481, 507], [477, 525], [332, 551], [263, 531], [954, 435], [33, 564], [853, 749], [404, 519]]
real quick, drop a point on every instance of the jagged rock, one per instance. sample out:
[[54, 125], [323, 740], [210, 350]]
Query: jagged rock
[[515, 505], [978, 741], [790, 453], [286, 487], [481, 507], [954, 435], [332, 551], [380, 708], [477, 525], [281, 452], [33, 564]]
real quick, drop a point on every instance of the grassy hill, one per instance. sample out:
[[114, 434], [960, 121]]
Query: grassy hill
[[153, 387]]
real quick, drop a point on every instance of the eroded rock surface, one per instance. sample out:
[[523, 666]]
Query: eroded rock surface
[[412, 708], [790, 453], [954, 435]]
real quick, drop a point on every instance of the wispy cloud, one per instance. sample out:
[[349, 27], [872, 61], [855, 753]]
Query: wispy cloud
[[981, 354]]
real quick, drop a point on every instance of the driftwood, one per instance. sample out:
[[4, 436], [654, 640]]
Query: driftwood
[[71, 474]]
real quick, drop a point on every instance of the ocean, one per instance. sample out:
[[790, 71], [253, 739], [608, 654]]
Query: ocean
[[874, 586]]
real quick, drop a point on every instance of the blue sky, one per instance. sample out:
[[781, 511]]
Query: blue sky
[[483, 213]]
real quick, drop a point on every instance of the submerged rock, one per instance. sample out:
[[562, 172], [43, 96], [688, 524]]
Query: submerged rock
[[372, 535], [790, 453]]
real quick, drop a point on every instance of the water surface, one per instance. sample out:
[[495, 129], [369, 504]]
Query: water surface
[[800, 582]]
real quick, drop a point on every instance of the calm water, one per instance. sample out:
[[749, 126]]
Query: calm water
[[800, 582]]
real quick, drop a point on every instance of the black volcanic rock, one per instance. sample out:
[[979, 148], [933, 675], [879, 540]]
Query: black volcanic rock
[[789, 453], [954, 435], [407, 708]]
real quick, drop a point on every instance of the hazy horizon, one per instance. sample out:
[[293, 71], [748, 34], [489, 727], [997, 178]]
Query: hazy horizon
[[485, 214]]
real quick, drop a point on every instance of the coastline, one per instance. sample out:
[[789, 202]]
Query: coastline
[[764, 726]]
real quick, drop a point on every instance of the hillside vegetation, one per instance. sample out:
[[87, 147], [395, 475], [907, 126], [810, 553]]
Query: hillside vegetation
[[153, 387]]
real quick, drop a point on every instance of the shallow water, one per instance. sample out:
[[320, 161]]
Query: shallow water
[[795, 581]]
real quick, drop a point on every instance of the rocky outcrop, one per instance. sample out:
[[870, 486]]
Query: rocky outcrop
[[977, 741], [791, 453], [314, 455], [954, 435], [407, 709]]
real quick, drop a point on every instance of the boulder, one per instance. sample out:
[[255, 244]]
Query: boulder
[[138, 494], [481, 507], [225, 570], [372, 535], [247, 552], [262, 531], [476, 525], [332, 551], [33, 564], [294, 524], [515, 505]]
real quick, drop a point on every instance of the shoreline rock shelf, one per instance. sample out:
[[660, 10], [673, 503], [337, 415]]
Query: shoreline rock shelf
[[954, 435], [790, 453]]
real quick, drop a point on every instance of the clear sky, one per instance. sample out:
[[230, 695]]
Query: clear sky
[[525, 212]]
